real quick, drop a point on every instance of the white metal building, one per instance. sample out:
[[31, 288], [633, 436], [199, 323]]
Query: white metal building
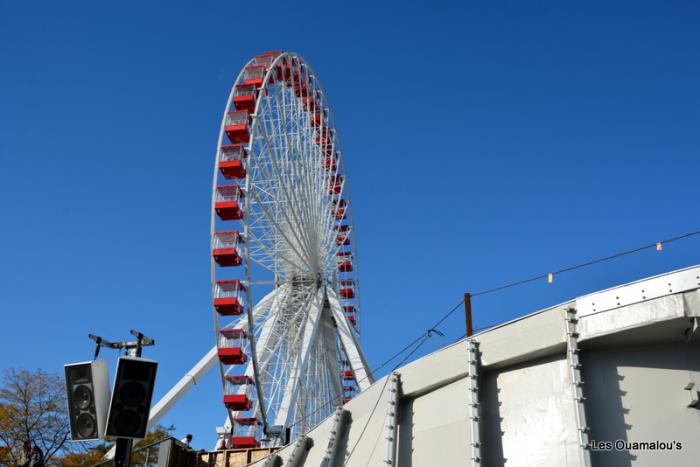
[[607, 379]]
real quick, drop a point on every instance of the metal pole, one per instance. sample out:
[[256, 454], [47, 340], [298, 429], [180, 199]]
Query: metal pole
[[468, 313], [575, 372], [122, 455]]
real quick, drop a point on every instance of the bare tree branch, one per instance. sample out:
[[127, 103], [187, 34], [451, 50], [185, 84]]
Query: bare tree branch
[[33, 409]]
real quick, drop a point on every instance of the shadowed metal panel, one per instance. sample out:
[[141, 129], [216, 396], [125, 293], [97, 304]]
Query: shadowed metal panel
[[433, 428], [637, 394]]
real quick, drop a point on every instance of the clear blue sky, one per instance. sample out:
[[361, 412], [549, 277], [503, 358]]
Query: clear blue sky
[[486, 142]]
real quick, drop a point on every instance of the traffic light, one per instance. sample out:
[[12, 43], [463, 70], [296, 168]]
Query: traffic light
[[131, 398], [87, 387]]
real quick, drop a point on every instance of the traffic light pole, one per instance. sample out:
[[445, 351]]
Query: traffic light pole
[[122, 453]]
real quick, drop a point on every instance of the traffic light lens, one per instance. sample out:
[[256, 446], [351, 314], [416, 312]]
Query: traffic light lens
[[85, 425], [132, 393], [82, 397], [127, 422]]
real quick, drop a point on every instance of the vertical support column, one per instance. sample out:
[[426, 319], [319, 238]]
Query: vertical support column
[[300, 451], [122, 455], [338, 432], [392, 415], [272, 460], [572, 352], [474, 406]]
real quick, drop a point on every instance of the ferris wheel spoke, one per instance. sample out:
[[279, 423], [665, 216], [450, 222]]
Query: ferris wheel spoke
[[301, 360], [292, 206], [268, 255], [292, 199], [282, 149], [273, 221], [274, 224], [267, 239], [301, 169]]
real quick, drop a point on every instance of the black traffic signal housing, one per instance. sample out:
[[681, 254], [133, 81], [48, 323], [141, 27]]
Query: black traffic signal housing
[[131, 398], [87, 388]]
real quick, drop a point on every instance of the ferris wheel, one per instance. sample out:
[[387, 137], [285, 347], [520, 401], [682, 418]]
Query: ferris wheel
[[285, 283]]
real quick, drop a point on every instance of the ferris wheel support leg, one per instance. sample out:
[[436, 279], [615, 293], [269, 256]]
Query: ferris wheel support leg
[[182, 387], [327, 338], [191, 377], [291, 391], [349, 339]]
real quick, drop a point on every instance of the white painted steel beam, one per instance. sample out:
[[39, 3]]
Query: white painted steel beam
[[190, 378], [474, 405], [350, 342], [180, 389], [572, 352], [327, 334], [301, 448], [268, 325], [338, 433], [392, 415], [186, 383]]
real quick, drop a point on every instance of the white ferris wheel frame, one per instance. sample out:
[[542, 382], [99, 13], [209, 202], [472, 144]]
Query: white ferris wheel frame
[[319, 311]]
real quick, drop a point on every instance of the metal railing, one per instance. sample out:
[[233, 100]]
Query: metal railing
[[146, 459]]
